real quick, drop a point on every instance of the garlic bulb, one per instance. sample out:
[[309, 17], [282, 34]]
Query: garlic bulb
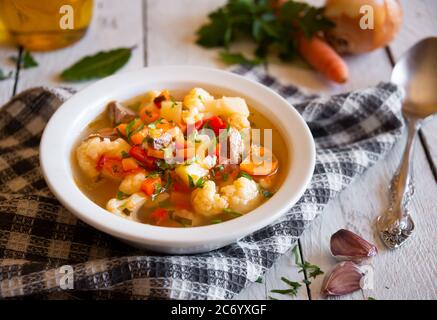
[[362, 25], [346, 245]]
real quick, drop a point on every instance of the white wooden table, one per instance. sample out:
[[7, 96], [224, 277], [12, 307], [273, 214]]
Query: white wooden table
[[163, 32]]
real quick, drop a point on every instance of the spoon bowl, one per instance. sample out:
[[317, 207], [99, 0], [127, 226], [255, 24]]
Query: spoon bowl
[[416, 72]]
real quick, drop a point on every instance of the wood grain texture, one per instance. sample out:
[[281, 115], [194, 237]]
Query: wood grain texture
[[171, 24], [354, 208], [114, 25], [420, 21], [407, 273]]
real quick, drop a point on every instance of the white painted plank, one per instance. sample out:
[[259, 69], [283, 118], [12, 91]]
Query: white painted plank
[[420, 21], [407, 273], [115, 24], [172, 41], [6, 86]]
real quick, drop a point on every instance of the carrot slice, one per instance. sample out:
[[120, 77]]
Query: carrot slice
[[149, 185], [263, 164], [155, 153], [122, 128], [139, 137]]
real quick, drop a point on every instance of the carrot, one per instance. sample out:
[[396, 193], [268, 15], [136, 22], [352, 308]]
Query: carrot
[[122, 128], [155, 153], [267, 166], [138, 137], [149, 115], [149, 185], [129, 164], [323, 58]]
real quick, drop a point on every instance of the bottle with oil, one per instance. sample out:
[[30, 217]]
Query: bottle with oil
[[46, 24]]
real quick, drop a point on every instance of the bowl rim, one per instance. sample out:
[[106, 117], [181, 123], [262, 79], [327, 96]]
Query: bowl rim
[[57, 171]]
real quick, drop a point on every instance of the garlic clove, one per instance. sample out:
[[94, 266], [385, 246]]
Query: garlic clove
[[346, 277], [346, 245]]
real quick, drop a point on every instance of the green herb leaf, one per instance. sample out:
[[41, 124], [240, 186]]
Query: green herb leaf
[[294, 287], [100, 65], [296, 254], [371, 298], [272, 29], [190, 181], [27, 60], [129, 127], [245, 175], [120, 195], [238, 58], [259, 280], [125, 154], [312, 270]]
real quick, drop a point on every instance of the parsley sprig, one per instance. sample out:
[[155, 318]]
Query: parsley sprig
[[269, 26]]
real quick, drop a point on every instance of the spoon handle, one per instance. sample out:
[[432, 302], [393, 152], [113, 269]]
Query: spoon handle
[[402, 187]]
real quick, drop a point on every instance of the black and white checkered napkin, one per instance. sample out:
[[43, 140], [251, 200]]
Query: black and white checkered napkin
[[38, 236]]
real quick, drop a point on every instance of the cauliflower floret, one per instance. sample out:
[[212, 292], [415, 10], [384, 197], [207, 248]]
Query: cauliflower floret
[[132, 183], [90, 151], [239, 121], [243, 195], [192, 115], [207, 201], [196, 98], [127, 208]]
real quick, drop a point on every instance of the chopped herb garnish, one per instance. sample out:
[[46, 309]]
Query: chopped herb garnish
[[245, 175], [190, 181], [138, 129], [129, 127], [120, 195], [371, 298], [125, 154], [225, 176], [126, 211], [312, 270], [215, 221], [231, 212], [259, 280], [294, 287], [266, 193]]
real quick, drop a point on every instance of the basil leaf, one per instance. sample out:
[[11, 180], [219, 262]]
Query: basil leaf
[[96, 66]]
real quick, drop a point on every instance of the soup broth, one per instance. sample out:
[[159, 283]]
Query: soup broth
[[180, 201]]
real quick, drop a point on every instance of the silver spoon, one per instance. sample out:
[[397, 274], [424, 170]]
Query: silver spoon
[[416, 72]]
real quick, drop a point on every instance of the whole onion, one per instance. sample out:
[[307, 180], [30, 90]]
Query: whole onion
[[348, 37]]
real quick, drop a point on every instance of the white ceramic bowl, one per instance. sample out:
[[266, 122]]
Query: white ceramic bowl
[[65, 126]]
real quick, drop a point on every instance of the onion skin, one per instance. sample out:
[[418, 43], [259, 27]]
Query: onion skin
[[348, 37]]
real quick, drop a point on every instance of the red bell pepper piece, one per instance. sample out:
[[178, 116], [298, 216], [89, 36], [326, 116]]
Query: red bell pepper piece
[[140, 155], [159, 215]]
